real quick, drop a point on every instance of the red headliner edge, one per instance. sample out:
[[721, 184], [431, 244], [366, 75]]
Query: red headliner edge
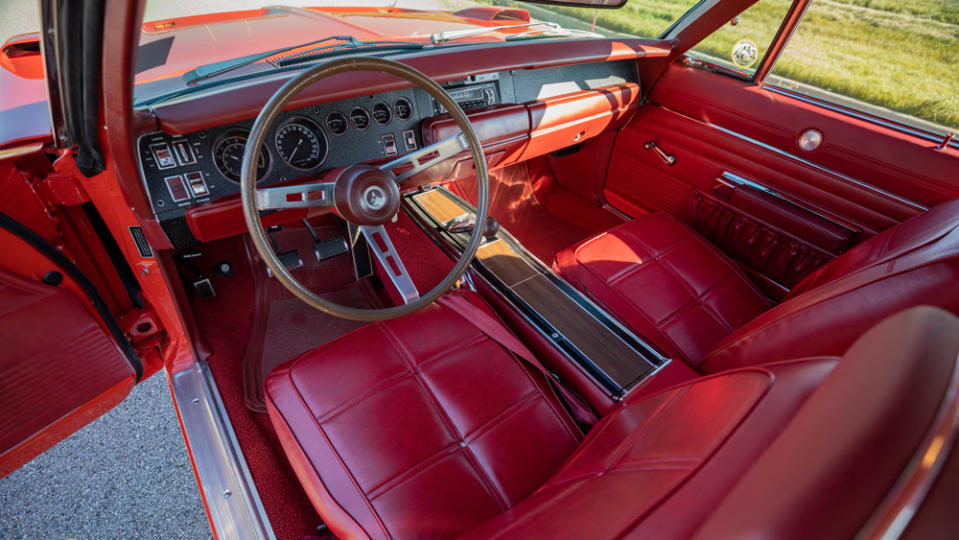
[[211, 109]]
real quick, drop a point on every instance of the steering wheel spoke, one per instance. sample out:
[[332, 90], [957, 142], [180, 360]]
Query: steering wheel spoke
[[379, 241], [299, 196], [426, 157]]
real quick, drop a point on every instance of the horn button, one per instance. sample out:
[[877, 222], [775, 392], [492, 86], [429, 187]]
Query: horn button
[[366, 195]]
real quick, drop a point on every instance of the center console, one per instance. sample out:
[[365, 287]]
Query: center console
[[609, 352]]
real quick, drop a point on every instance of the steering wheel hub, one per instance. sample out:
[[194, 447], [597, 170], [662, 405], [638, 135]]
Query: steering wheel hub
[[366, 195]]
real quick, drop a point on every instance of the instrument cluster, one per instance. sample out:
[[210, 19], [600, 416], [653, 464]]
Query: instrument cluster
[[183, 170]]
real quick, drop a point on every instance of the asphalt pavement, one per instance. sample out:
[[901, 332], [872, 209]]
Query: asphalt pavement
[[126, 475]]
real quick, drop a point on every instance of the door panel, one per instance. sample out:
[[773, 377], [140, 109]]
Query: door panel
[[795, 209], [58, 368]]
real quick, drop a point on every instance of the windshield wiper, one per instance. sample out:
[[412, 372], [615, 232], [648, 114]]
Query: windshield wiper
[[201, 73], [331, 50], [552, 29]]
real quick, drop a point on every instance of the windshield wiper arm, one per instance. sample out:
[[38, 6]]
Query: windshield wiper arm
[[450, 35], [201, 73], [330, 50]]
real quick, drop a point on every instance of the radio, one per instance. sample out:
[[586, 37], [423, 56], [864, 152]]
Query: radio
[[470, 97]]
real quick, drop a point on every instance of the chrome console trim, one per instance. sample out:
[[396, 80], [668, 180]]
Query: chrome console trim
[[232, 500], [657, 361]]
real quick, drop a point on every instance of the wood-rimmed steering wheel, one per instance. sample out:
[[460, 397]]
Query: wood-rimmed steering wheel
[[366, 196]]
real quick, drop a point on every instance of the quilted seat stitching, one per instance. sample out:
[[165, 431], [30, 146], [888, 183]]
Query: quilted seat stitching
[[339, 458], [415, 470], [499, 498]]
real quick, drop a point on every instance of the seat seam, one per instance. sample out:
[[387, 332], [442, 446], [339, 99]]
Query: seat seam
[[339, 459], [403, 476], [447, 422], [352, 402]]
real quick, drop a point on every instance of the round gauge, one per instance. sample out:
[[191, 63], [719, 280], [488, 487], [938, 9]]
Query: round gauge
[[360, 118], [337, 123], [403, 109], [382, 114], [228, 156], [301, 144]]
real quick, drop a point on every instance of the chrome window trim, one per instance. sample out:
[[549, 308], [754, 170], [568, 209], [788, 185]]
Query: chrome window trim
[[891, 124], [825, 170], [232, 501]]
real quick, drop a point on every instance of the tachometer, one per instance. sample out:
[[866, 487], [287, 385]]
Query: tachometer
[[228, 155], [301, 144]]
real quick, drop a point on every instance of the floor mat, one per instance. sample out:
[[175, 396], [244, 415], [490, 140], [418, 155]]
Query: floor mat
[[285, 328], [225, 324]]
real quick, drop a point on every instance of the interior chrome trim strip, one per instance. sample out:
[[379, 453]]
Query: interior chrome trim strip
[[895, 512], [891, 124], [232, 501], [848, 179], [735, 179]]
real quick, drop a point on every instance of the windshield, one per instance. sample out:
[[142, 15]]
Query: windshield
[[190, 46]]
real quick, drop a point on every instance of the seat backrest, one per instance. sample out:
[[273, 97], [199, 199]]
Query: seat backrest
[[913, 263], [844, 461]]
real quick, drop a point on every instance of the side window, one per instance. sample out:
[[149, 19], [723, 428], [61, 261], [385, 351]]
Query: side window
[[894, 60], [741, 44]]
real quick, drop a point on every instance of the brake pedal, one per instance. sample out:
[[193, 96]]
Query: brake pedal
[[327, 249], [290, 259]]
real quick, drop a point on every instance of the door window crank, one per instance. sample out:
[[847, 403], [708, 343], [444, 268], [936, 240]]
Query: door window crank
[[668, 159]]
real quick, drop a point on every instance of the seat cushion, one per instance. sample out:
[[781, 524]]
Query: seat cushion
[[416, 427], [636, 464], [806, 448], [666, 282]]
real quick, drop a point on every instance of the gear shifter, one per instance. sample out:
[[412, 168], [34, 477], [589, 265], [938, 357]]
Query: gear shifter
[[465, 226]]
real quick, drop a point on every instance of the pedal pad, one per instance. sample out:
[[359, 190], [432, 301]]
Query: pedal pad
[[290, 259], [327, 249], [204, 288]]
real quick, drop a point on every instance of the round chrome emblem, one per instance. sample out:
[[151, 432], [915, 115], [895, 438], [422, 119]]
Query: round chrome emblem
[[374, 198], [745, 53], [810, 139]]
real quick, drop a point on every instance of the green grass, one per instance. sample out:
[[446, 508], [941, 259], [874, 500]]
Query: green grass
[[902, 56]]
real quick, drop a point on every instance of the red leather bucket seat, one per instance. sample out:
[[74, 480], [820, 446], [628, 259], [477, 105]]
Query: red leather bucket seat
[[675, 289], [424, 427]]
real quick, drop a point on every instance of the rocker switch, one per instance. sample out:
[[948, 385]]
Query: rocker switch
[[177, 188], [197, 185], [410, 139], [162, 155], [389, 144]]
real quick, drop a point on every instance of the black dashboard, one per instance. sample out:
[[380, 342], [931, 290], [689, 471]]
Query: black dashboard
[[183, 171]]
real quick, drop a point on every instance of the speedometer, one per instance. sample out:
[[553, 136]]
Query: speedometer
[[301, 144], [228, 155]]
